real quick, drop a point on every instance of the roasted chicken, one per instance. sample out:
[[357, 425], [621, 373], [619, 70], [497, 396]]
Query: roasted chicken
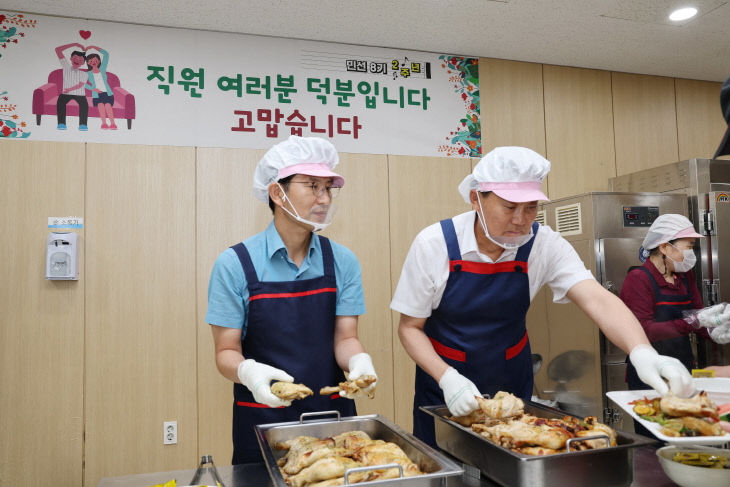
[[306, 453], [476, 416], [314, 462], [324, 469], [502, 420], [517, 434], [289, 391], [382, 453], [700, 405], [352, 440], [503, 405], [360, 387]]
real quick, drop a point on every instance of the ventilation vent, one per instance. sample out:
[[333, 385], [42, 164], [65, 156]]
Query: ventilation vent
[[568, 219], [540, 218]]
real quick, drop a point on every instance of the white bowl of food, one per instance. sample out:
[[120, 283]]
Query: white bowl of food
[[698, 465]]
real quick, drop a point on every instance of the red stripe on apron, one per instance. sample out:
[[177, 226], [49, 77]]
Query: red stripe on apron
[[516, 349], [672, 302], [335, 396], [255, 405], [448, 352], [487, 267], [293, 295]]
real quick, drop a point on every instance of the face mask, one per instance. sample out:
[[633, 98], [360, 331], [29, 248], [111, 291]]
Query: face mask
[[688, 262], [316, 227], [507, 243]]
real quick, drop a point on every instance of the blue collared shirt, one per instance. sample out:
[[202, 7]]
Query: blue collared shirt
[[228, 288]]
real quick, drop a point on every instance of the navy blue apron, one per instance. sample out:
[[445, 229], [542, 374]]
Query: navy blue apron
[[667, 307], [291, 326], [479, 329]]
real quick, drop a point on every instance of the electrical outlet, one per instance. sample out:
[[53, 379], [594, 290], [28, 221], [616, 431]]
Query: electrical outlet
[[170, 432]]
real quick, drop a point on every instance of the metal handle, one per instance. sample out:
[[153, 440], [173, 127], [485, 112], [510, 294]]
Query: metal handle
[[374, 467], [599, 436], [319, 413]]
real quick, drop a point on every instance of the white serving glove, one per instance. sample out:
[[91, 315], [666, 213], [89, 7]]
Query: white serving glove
[[360, 364], [459, 393], [257, 377], [651, 367], [721, 334]]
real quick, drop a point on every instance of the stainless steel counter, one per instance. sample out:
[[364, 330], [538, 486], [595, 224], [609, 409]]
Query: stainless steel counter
[[250, 475], [647, 473]]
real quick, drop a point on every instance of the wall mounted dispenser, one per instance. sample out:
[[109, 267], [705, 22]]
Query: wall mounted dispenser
[[62, 256]]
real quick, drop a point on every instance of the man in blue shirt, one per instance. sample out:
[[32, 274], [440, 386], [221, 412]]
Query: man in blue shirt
[[284, 304]]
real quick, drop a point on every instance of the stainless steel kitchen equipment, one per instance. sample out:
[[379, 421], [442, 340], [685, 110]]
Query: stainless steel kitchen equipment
[[706, 184], [436, 466], [597, 468], [606, 230]]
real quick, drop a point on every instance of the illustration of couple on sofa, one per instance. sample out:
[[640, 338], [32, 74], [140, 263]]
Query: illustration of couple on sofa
[[76, 81]]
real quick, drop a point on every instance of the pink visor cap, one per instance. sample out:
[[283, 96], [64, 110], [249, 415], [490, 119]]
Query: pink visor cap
[[521, 192], [689, 232], [319, 170]]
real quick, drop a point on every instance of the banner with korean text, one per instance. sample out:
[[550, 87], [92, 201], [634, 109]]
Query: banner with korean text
[[89, 81]]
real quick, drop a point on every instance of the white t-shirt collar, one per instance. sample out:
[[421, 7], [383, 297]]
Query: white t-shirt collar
[[468, 242]]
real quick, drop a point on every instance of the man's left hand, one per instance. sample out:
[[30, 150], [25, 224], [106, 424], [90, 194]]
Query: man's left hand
[[361, 365]]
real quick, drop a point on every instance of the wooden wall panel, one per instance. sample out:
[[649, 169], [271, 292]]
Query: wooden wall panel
[[42, 331], [227, 213], [140, 309], [512, 105], [579, 130], [423, 190], [361, 224], [700, 125], [147, 252], [644, 121]]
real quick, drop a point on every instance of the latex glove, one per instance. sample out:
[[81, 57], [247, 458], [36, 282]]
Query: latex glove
[[257, 377], [721, 334], [714, 316], [709, 317], [360, 364], [651, 367], [459, 393]]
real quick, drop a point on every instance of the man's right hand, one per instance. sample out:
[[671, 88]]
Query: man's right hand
[[257, 378], [459, 393]]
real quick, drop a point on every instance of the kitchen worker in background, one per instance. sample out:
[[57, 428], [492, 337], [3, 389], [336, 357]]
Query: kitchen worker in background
[[284, 303], [467, 283], [663, 294]]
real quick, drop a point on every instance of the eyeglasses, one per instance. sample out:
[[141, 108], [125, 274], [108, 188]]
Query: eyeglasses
[[318, 189]]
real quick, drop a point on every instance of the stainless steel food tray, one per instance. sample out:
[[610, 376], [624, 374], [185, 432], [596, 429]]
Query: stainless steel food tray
[[436, 466], [597, 468]]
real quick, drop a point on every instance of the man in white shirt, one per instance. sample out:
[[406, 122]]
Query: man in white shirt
[[467, 284], [74, 79]]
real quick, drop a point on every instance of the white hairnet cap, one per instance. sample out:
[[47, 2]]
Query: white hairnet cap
[[666, 228], [513, 173], [296, 155]]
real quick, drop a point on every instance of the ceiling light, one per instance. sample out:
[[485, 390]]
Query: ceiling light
[[683, 14]]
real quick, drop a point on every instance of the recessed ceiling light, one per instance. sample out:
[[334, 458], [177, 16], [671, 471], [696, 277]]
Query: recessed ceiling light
[[683, 14]]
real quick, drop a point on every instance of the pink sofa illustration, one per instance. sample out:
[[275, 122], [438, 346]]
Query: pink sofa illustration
[[45, 97]]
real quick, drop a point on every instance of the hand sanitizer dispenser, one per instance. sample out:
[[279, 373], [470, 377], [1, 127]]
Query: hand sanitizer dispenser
[[61, 256]]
